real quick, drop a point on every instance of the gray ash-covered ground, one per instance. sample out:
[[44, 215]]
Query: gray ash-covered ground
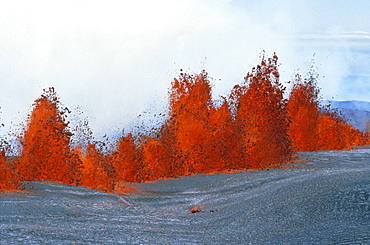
[[324, 200]]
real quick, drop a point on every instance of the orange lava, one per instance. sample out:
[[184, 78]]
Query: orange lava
[[254, 127], [46, 152], [8, 174]]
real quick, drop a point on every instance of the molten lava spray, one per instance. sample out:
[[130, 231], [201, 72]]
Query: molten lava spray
[[253, 128]]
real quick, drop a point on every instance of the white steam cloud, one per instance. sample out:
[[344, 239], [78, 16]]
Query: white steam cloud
[[116, 58]]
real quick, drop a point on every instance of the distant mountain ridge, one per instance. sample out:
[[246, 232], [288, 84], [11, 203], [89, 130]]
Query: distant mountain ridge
[[355, 112]]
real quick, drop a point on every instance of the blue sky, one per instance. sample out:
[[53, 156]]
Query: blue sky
[[116, 59]]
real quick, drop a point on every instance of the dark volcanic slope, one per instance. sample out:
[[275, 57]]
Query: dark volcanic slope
[[357, 112]]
